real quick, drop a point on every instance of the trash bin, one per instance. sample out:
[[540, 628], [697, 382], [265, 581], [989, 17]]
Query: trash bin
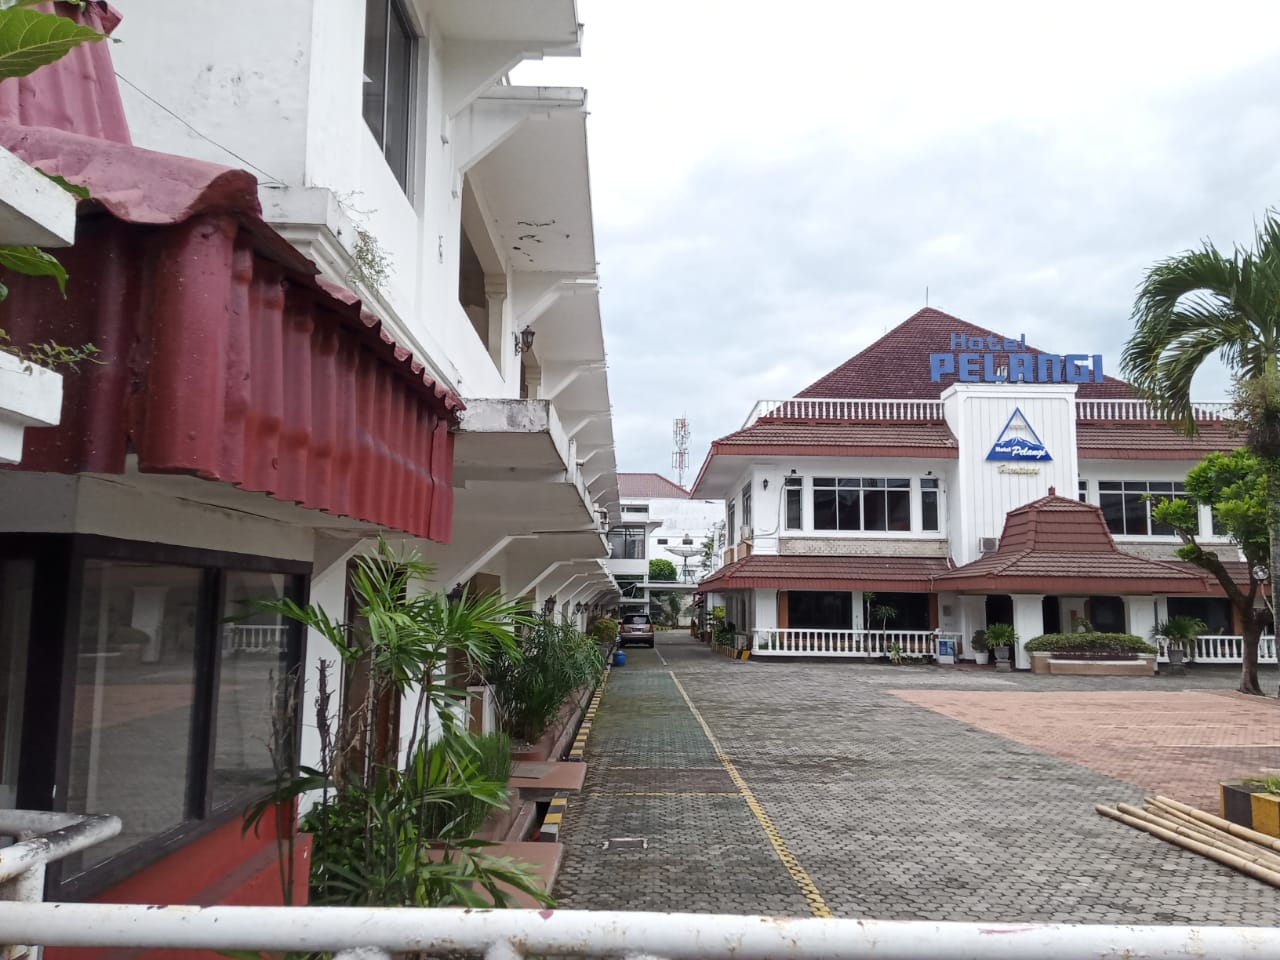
[[946, 650]]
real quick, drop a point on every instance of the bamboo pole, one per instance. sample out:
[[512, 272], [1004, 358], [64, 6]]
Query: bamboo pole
[[1271, 877], [1223, 842], [1234, 829], [1169, 813]]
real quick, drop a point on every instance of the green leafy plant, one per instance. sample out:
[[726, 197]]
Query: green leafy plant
[[1180, 631], [603, 630], [662, 570], [555, 660], [979, 642], [1125, 643], [1265, 784], [1001, 635], [895, 653], [30, 39], [394, 832]]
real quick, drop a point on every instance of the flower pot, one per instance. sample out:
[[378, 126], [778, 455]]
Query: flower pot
[[1002, 659], [981, 657]]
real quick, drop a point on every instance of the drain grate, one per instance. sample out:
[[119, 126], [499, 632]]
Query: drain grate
[[626, 843]]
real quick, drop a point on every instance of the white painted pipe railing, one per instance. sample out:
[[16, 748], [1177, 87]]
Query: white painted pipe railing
[[1221, 648], [1145, 410], [579, 933], [803, 642]]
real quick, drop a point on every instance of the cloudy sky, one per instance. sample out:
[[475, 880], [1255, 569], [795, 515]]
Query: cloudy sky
[[775, 184]]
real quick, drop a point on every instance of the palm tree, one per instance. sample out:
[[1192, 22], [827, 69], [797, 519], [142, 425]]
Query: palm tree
[[1203, 303]]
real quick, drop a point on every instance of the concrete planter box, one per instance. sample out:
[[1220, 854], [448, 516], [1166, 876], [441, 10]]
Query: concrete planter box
[[1250, 807], [30, 396], [1142, 665]]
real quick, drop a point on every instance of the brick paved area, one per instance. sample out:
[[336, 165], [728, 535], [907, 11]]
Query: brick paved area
[[1179, 743], [894, 810]]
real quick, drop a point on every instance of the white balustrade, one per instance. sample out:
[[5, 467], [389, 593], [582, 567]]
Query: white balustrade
[[255, 638], [863, 644], [819, 408], [1220, 648]]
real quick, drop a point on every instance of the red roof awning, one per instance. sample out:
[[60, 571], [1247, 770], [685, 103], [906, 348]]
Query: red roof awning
[[795, 572], [224, 355]]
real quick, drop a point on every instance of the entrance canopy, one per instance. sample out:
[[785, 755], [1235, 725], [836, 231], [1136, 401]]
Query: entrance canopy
[[899, 574]]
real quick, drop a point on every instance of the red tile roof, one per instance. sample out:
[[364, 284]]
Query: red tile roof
[[1150, 440], [897, 365], [931, 438], [901, 574], [1056, 545], [650, 486]]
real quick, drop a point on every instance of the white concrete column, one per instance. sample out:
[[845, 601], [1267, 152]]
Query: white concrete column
[[1140, 615], [148, 617], [501, 345], [766, 609], [1028, 622]]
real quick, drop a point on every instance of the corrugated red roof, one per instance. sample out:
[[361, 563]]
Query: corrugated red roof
[[897, 365], [224, 355], [839, 438], [650, 486], [1056, 545], [1151, 440], [790, 572]]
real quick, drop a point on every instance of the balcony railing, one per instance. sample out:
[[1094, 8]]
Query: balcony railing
[[854, 644], [1221, 648], [818, 408], [378, 932]]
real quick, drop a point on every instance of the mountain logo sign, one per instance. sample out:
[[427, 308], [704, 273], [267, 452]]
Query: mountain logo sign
[[1018, 441]]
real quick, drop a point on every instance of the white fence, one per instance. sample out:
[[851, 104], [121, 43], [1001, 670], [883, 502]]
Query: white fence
[[819, 408], [859, 644], [255, 638], [1221, 648], [374, 933]]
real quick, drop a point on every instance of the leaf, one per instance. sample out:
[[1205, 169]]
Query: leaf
[[72, 188], [34, 262], [30, 39]]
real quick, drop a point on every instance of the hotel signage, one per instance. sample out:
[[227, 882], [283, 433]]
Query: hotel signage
[[995, 359], [1017, 441]]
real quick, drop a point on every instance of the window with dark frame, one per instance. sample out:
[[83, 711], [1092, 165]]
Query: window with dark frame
[[1083, 491], [794, 487], [862, 503], [746, 506], [929, 503], [179, 684], [730, 530], [1127, 509], [390, 47], [627, 543]]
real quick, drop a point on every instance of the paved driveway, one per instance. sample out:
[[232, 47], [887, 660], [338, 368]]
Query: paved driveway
[[847, 789]]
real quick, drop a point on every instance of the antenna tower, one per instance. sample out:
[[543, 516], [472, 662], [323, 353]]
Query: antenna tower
[[680, 453]]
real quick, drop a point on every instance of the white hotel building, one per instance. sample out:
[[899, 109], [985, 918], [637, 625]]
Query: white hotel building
[[955, 504]]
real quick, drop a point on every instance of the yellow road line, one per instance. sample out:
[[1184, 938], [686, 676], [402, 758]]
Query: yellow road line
[[817, 906], [664, 793]]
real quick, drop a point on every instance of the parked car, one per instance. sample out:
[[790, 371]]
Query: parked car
[[636, 628]]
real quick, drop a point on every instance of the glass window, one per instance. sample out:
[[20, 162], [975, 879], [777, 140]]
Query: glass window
[[627, 543], [1083, 491], [16, 579], [732, 531], [929, 503], [662, 541], [746, 505], [135, 686], [389, 53], [794, 487], [867, 503], [253, 683], [1128, 512]]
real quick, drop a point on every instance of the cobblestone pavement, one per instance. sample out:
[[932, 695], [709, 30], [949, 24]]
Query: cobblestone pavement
[[893, 810]]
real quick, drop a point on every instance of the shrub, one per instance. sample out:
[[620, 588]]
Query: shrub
[[980, 641], [1089, 643], [603, 631], [1001, 635], [556, 660]]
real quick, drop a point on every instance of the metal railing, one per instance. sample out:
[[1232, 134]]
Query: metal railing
[[505, 934], [1220, 648], [40, 838], [818, 408], [857, 644]]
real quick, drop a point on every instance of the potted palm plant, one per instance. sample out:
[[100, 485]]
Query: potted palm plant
[[981, 653], [1001, 638], [1180, 634]]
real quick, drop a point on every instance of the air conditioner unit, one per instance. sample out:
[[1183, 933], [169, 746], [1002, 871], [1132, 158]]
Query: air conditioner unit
[[988, 544], [745, 532]]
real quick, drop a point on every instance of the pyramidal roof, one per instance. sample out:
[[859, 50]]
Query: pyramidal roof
[[897, 365], [651, 486]]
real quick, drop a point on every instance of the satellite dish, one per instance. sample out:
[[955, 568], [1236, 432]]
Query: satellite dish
[[685, 551]]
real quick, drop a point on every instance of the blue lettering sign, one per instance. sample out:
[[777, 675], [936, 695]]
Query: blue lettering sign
[[978, 360]]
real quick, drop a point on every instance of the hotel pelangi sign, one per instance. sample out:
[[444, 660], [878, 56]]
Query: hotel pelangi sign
[[993, 359], [1018, 442]]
